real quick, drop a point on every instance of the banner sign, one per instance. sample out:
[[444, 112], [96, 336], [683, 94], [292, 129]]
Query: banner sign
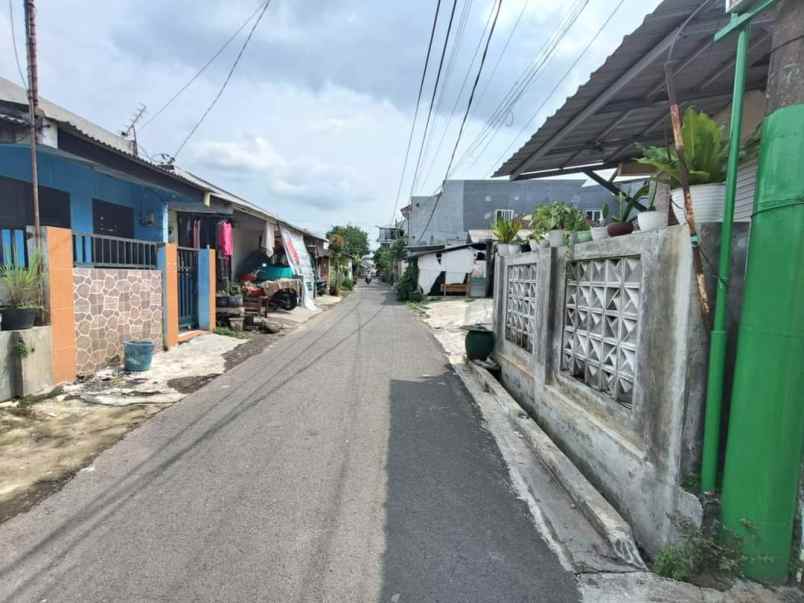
[[301, 262]]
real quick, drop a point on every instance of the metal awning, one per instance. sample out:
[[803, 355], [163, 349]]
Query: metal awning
[[624, 103]]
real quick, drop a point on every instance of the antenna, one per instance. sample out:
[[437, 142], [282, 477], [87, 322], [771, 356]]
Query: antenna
[[131, 130]]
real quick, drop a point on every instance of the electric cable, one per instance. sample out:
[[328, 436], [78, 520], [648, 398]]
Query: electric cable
[[14, 44], [432, 100], [226, 81], [561, 80], [466, 113], [416, 112], [204, 68]]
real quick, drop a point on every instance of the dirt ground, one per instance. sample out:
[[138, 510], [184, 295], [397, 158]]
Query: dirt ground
[[43, 444]]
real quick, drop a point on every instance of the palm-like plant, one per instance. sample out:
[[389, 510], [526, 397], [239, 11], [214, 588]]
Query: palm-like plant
[[24, 285], [705, 151], [506, 231]]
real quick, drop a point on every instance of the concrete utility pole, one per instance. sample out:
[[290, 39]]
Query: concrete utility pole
[[33, 107], [763, 454]]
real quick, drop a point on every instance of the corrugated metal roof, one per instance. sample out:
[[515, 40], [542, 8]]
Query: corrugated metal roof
[[624, 102]]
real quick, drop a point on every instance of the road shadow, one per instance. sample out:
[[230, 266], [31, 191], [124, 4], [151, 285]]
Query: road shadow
[[455, 530]]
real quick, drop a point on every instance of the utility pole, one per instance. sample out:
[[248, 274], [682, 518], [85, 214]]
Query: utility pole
[[763, 453], [33, 108]]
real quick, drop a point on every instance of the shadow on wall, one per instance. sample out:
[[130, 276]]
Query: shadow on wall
[[454, 529]]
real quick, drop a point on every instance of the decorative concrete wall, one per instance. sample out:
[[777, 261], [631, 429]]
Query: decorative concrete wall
[[604, 345], [113, 306]]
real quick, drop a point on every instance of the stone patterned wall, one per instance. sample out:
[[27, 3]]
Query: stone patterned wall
[[111, 307]]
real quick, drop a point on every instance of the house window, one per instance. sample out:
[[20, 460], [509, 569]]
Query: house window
[[503, 214], [520, 326], [16, 205], [593, 215], [112, 219], [601, 324]]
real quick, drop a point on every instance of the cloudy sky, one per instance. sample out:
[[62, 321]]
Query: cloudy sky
[[315, 121]]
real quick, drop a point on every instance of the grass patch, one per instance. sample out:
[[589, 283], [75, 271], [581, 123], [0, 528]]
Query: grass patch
[[227, 332], [703, 556]]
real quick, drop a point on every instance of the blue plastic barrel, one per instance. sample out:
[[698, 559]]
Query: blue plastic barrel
[[137, 355]]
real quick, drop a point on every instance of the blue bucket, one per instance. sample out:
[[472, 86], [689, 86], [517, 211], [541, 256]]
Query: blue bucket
[[137, 355]]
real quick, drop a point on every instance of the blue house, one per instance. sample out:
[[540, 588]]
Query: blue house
[[91, 180]]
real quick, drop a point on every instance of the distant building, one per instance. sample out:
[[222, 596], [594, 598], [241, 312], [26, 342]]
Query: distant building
[[466, 205]]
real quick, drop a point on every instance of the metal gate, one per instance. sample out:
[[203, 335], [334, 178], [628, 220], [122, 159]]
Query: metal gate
[[187, 272]]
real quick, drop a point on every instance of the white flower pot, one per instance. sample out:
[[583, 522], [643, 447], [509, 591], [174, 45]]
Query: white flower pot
[[556, 238], [707, 203], [507, 248], [652, 220], [599, 232]]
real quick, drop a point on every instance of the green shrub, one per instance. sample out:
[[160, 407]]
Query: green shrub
[[700, 552], [347, 284], [408, 287]]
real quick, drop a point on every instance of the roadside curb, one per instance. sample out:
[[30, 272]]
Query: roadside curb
[[604, 517]]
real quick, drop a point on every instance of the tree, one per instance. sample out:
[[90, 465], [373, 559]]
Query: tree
[[355, 241]]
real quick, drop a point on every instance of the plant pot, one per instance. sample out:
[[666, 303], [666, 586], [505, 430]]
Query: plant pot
[[556, 238], [599, 232], [707, 203], [618, 229], [507, 248], [652, 220], [19, 319], [583, 236], [479, 343]]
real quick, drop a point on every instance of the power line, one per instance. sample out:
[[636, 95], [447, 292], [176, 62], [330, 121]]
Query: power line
[[14, 44], [432, 100], [466, 113], [561, 81], [416, 112], [516, 91], [204, 68], [225, 82], [448, 119]]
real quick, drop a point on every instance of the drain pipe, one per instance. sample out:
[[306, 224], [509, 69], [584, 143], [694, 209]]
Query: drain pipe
[[718, 339], [763, 453]]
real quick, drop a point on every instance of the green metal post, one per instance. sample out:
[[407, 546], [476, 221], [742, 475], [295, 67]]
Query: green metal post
[[763, 454], [717, 341]]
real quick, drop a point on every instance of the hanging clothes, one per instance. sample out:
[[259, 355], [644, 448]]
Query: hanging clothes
[[225, 243]]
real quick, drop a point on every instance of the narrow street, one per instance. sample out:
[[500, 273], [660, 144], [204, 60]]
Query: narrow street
[[347, 463]]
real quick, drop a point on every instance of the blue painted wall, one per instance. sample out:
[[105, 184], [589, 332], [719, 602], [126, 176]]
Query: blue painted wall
[[205, 318], [85, 181]]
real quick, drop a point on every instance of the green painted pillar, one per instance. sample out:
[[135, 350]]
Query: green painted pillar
[[763, 454]]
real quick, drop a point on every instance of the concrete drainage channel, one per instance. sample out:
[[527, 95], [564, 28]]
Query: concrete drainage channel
[[590, 538], [584, 530]]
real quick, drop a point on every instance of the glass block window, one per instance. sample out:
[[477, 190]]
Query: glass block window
[[601, 323], [520, 326]]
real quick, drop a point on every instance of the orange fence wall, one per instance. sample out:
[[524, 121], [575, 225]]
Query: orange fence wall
[[59, 245]]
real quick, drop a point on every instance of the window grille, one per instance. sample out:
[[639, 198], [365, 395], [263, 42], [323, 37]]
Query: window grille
[[520, 326], [503, 214], [601, 325]]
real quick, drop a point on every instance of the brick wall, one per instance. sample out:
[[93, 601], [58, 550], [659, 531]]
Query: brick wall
[[113, 306]]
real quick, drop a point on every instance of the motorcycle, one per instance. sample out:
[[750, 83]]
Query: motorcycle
[[284, 299], [368, 279]]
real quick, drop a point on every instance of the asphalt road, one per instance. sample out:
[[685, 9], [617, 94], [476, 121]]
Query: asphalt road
[[347, 463]]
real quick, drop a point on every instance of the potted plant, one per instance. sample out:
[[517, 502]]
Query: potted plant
[[619, 224], [706, 153], [557, 221], [24, 293], [507, 232], [650, 219]]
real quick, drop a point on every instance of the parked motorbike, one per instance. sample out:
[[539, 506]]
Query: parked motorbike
[[284, 300], [368, 279]]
